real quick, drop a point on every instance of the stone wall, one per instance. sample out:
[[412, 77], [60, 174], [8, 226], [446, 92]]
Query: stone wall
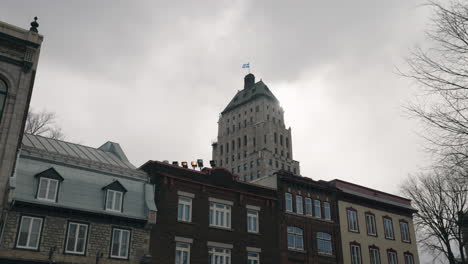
[[54, 233]]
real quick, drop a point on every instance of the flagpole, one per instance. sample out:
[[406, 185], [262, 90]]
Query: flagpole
[[249, 66]]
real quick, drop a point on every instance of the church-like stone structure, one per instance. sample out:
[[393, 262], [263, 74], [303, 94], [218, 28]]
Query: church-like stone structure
[[253, 141]]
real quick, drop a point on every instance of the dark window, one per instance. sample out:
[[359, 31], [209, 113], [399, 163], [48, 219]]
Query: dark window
[[233, 128], [275, 138], [245, 123], [251, 119], [245, 166], [254, 141], [221, 149], [227, 161], [227, 130], [238, 142], [238, 155], [233, 145], [276, 150], [3, 95], [245, 154], [264, 139], [282, 153], [276, 164], [281, 140], [287, 142], [245, 140], [227, 147], [268, 117], [252, 164], [220, 162], [257, 108], [238, 168], [233, 158], [239, 125], [270, 162], [287, 155]]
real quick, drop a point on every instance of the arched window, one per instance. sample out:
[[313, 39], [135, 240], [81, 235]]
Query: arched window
[[3, 94]]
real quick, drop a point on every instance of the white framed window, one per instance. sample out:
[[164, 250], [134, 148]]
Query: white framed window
[[114, 201], [324, 243], [47, 189], [404, 228], [374, 255], [352, 220], [299, 206], [356, 254], [388, 228], [120, 243], [184, 209], [409, 258], [29, 232], [295, 238], [252, 221], [308, 206], [76, 238], [317, 209], [220, 215], [288, 199], [370, 224], [182, 253], [326, 210], [253, 258], [392, 257], [219, 256]]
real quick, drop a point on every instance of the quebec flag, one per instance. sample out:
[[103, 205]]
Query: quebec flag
[[246, 65]]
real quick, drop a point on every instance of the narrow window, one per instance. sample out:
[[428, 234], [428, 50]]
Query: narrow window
[[308, 206], [275, 138], [254, 141], [29, 232], [324, 243], [245, 166], [245, 122], [299, 207], [252, 221], [288, 198], [220, 215], [276, 164], [227, 147], [352, 220], [238, 169], [388, 228], [47, 189], [233, 145], [374, 254], [76, 238], [409, 258], [287, 142], [114, 201], [281, 140], [264, 139], [392, 256], [252, 164], [370, 223], [227, 130], [239, 143], [326, 210], [270, 162], [295, 238], [404, 228], [317, 209], [257, 108], [184, 210], [221, 149], [3, 95], [120, 243], [356, 253], [219, 256], [245, 140], [253, 258], [182, 253]]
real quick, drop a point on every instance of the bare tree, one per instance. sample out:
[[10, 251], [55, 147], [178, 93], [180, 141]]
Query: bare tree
[[442, 72], [438, 196], [43, 123]]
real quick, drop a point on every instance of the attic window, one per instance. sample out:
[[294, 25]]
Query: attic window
[[48, 187], [114, 194]]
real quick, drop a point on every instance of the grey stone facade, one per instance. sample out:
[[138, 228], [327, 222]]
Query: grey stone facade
[[19, 55], [253, 141]]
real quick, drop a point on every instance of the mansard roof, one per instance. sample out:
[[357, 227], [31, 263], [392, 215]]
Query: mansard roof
[[247, 95]]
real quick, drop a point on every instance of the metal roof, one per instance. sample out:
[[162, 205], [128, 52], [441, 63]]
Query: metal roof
[[244, 96]]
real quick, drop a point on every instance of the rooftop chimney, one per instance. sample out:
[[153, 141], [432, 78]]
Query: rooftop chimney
[[249, 81]]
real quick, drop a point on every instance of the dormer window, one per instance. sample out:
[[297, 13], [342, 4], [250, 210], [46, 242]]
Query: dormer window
[[114, 194], [48, 185]]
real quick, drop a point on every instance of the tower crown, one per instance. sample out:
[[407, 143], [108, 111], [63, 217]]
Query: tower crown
[[249, 81]]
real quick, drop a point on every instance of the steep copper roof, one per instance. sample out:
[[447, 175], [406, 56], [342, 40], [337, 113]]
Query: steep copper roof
[[246, 95]]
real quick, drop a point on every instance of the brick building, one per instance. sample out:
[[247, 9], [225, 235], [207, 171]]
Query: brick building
[[376, 227], [19, 56], [76, 204], [308, 230], [209, 217]]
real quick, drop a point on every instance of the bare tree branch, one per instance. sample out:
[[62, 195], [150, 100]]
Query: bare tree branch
[[43, 123]]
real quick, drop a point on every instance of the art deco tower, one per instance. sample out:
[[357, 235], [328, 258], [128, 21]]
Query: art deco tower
[[253, 141]]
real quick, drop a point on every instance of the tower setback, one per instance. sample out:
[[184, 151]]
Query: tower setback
[[253, 140]]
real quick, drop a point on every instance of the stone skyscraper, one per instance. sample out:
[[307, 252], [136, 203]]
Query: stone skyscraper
[[253, 141]]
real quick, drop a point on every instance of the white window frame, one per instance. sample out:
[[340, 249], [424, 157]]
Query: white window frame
[[252, 221], [299, 205], [388, 229], [224, 214], [47, 181], [353, 224], [221, 254], [184, 202], [113, 194], [317, 205], [371, 227], [308, 206], [392, 257], [295, 233], [120, 255], [405, 234], [374, 254], [253, 257], [324, 241], [356, 257], [289, 203], [182, 248], [75, 242], [28, 239], [326, 211], [409, 258]]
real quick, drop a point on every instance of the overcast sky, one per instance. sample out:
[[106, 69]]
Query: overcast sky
[[155, 75]]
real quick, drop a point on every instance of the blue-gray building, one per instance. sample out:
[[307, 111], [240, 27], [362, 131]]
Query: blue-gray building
[[77, 204]]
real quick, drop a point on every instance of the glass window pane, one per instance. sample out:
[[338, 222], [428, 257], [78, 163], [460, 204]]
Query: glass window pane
[[118, 201], [115, 243], [109, 199], [52, 189], [24, 230], [35, 230], [42, 188]]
